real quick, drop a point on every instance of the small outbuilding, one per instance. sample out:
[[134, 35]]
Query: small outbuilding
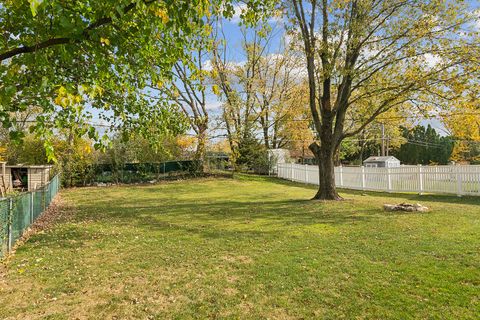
[[382, 162], [24, 177], [278, 156]]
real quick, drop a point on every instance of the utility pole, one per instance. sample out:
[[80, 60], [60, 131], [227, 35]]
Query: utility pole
[[383, 139], [388, 145]]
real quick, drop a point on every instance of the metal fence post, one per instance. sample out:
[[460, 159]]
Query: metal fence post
[[420, 179], [31, 206], [363, 178], [44, 198], [9, 225]]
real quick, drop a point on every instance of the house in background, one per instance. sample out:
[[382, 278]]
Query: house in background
[[382, 162], [304, 156]]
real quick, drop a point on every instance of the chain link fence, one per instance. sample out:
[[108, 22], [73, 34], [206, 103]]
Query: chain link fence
[[18, 212]]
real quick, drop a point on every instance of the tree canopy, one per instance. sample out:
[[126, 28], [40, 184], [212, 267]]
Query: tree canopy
[[80, 61]]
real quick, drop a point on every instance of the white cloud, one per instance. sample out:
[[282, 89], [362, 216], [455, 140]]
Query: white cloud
[[207, 65], [432, 60], [213, 105]]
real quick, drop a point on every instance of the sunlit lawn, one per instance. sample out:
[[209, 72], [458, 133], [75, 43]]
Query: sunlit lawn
[[250, 248]]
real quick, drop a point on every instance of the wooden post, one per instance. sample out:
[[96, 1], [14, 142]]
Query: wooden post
[[4, 187], [291, 171], [306, 173]]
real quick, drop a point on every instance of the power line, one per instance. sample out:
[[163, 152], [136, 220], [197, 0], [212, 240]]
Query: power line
[[392, 139], [398, 117]]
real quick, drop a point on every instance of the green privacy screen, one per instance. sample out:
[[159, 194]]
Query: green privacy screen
[[17, 213], [3, 225], [130, 172]]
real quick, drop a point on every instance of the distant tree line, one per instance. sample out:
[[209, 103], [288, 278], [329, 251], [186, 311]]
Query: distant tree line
[[424, 146]]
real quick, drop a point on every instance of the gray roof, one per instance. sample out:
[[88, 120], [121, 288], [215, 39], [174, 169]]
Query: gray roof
[[38, 166], [381, 159]]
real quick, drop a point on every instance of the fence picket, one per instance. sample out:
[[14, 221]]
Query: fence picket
[[459, 182]]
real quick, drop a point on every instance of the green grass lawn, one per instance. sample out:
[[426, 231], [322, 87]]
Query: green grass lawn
[[250, 248]]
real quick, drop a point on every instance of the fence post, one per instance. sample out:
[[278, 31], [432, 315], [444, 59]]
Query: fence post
[[420, 179], [31, 206], [389, 180], [44, 198], [363, 178], [291, 171], [9, 227], [459, 182], [306, 173], [340, 172]]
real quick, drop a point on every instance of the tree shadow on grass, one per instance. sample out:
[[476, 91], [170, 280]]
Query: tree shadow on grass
[[269, 215], [412, 197]]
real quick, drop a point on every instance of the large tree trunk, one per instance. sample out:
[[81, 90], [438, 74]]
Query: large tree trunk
[[266, 137], [325, 155]]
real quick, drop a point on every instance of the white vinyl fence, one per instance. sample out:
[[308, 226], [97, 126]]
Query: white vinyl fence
[[459, 180]]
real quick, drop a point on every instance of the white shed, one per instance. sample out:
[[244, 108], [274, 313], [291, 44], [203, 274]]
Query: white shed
[[25, 177], [382, 162], [277, 156]]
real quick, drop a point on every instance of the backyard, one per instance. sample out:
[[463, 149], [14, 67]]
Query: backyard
[[246, 247]]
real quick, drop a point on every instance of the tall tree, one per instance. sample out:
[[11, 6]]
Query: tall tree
[[385, 54], [279, 90], [262, 95], [235, 85], [188, 87]]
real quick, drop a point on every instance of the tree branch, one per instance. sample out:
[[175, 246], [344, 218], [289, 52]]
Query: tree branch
[[65, 40]]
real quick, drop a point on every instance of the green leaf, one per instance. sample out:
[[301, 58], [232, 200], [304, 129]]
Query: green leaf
[[16, 135], [49, 151], [34, 4]]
